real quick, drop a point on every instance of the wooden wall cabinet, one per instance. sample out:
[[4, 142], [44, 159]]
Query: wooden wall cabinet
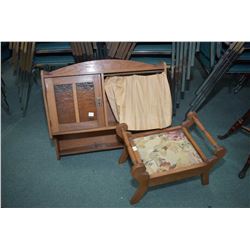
[[78, 113]]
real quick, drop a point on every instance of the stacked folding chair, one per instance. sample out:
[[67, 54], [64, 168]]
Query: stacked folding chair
[[5, 55], [241, 68], [220, 68], [210, 53], [22, 60], [180, 57], [52, 55], [183, 61], [82, 51], [120, 50]]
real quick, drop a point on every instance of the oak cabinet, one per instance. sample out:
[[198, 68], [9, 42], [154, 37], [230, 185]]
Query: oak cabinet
[[79, 116]]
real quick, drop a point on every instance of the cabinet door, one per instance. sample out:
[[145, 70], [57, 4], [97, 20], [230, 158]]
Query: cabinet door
[[74, 102]]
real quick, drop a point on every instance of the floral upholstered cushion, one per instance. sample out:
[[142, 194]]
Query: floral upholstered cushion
[[165, 151]]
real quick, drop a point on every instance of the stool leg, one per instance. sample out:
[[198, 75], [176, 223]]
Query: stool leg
[[205, 178], [142, 177], [124, 155], [142, 189]]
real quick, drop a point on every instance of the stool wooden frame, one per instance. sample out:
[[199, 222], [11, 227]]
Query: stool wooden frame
[[139, 170]]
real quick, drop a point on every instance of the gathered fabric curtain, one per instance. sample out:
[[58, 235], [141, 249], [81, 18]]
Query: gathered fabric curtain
[[143, 102]]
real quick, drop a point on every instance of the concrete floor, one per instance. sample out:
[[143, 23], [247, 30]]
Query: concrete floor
[[32, 177]]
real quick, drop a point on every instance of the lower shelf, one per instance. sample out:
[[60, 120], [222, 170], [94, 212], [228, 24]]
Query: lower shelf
[[89, 142], [90, 148]]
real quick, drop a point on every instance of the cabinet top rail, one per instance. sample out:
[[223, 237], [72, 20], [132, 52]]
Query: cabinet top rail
[[104, 67]]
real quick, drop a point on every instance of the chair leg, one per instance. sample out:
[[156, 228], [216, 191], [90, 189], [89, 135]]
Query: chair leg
[[205, 178], [238, 124], [26, 98], [4, 102], [141, 190], [124, 156], [243, 172]]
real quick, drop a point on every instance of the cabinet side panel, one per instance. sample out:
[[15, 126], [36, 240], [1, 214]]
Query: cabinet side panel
[[46, 104]]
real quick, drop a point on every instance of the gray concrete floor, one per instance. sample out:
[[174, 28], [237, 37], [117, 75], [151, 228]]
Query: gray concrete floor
[[32, 177]]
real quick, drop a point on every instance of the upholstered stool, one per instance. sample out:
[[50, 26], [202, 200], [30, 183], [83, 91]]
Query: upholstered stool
[[166, 155]]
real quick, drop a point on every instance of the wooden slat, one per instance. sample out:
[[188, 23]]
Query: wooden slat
[[82, 51], [72, 45], [33, 46], [108, 44], [26, 54], [15, 56], [90, 49], [113, 49], [74, 50], [22, 57], [77, 52], [120, 50], [94, 45], [126, 49], [130, 50], [85, 49]]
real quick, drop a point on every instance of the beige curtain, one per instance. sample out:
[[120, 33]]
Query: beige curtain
[[142, 102]]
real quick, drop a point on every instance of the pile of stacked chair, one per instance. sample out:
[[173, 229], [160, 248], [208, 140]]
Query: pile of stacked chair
[[29, 57], [217, 60]]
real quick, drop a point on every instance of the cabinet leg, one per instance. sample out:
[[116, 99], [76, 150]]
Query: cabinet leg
[[58, 157], [205, 178], [243, 172]]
